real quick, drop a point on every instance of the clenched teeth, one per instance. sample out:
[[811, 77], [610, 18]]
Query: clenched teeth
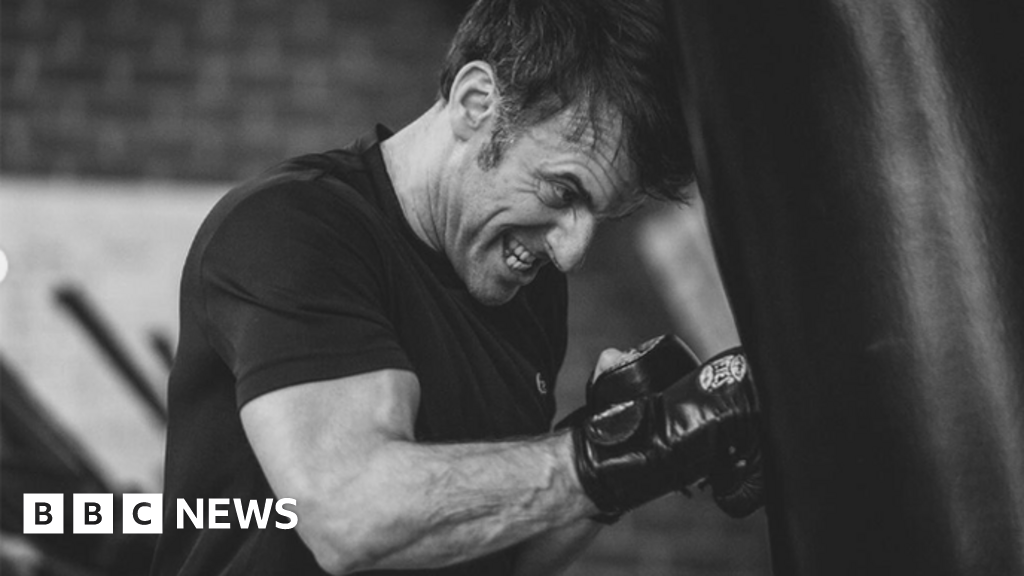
[[518, 257]]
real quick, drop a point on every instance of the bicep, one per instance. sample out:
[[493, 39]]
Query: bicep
[[310, 437]]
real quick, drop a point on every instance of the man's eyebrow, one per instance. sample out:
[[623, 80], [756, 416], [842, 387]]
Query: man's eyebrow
[[614, 211], [580, 188]]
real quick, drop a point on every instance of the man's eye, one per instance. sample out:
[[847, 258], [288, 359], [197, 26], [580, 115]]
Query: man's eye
[[565, 196]]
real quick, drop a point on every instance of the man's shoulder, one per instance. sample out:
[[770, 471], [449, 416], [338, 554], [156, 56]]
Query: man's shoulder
[[294, 212], [337, 176], [332, 185]]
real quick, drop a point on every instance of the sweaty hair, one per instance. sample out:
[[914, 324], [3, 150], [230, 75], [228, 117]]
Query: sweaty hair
[[599, 55]]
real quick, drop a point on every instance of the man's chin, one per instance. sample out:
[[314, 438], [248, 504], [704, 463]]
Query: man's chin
[[493, 289], [492, 295], [494, 286]]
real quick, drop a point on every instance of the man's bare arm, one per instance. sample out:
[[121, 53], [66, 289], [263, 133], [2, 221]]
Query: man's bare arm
[[369, 497]]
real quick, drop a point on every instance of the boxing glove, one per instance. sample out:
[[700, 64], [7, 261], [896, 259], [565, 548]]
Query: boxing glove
[[737, 474], [650, 367], [633, 451]]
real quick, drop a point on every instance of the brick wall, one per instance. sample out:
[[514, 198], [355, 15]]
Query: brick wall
[[206, 90], [188, 90]]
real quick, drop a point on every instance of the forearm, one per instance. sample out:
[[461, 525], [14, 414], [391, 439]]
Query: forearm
[[420, 505]]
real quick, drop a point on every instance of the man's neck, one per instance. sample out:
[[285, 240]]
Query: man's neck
[[412, 157]]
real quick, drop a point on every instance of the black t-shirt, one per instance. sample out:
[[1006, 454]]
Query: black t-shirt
[[311, 272]]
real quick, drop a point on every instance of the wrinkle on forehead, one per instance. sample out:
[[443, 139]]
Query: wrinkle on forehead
[[596, 128], [596, 123], [590, 122], [596, 132]]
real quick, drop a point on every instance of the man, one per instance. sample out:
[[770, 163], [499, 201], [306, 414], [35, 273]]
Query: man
[[375, 332]]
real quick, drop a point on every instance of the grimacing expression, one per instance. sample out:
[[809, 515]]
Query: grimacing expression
[[539, 205]]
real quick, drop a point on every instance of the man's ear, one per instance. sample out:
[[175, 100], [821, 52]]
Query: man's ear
[[473, 100]]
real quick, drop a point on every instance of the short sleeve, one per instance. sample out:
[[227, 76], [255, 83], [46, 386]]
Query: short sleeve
[[293, 283]]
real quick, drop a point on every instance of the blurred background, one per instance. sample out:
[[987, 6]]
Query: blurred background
[[122, 122]]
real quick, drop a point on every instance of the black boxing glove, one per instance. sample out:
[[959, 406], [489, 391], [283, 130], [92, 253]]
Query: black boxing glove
[[635, 451], [649, 368], [737, 480], [737, 475]]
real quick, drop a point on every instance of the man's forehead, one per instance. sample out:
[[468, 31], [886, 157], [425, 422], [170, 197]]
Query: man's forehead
[[597, 127], [597, 137]]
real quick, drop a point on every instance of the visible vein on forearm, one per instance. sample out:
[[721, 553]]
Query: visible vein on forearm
[[448, 502]]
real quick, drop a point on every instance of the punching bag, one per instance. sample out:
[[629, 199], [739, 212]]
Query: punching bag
[[862, 163]]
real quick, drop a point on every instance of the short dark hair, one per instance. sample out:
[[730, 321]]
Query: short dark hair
[[551, 54]]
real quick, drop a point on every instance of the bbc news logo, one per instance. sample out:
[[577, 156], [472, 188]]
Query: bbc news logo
[[143, 513]]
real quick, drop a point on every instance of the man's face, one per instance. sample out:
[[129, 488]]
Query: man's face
[[540, 205]]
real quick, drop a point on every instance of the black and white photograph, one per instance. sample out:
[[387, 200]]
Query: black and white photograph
[[511, 287]]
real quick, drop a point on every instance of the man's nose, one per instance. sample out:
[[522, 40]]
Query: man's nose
[[570, 238]]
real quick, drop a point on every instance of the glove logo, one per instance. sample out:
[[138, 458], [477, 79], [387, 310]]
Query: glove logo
[[542, 386], [723, 371]]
